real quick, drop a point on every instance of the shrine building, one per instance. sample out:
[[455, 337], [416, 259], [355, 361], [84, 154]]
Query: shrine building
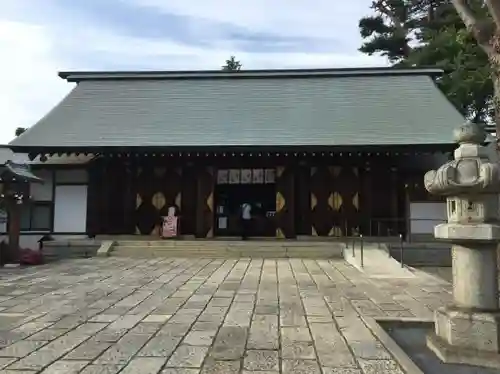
[[316, 152]]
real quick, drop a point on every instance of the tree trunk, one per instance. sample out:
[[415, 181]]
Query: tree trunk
[[495, 76], [494, 58]]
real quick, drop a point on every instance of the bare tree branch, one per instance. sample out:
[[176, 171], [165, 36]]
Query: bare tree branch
[[494, 9], [384, 8], [466, 14], [479, 28], [401, 28]]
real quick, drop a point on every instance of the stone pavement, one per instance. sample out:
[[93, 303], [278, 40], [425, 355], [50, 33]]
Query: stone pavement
[[188, 316]]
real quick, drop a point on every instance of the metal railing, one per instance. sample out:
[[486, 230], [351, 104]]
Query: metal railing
[[361, 248], [401, 248], [393, 230], [359, 238], [385, 227]]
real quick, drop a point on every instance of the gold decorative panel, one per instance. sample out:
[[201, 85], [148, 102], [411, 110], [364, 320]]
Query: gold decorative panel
[[210, 233], [155, 231], [280, 202], [158, 200], [313, 231], [279, 233], [210, 201], [279, 171], [178, 200], [314, 201], [335, 201], [157, 187], [335, 231], [355, 201]]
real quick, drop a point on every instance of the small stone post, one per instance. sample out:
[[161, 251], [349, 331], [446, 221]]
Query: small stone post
[[468, 332]]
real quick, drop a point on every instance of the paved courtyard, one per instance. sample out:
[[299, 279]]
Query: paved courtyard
[[188, 316]]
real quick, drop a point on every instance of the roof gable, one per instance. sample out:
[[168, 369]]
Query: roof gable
[[282, 110]]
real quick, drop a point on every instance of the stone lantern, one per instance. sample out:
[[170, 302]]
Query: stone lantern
[[14, 180], [468, 331]]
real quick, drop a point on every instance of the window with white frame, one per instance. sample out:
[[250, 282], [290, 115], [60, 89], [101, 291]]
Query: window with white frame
[[36, 215]]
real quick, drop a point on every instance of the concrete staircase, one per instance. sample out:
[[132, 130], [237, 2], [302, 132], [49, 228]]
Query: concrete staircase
[[69, 248], [226, 249], [376, 262]]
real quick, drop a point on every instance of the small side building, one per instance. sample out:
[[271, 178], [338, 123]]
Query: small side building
[[328, 152]]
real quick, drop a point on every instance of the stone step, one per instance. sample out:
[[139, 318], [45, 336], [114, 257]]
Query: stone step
[[226, 244], [121, 250]]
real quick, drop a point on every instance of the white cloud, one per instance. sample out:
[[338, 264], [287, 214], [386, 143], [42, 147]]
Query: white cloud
[[28, 86], [33, 54], [168, 54], [318, 18]]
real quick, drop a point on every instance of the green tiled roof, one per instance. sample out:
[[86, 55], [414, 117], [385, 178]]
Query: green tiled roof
[[252, 108]]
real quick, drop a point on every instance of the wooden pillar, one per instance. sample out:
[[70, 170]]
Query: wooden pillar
[[320, 192], [104, 215], [173, 188], [128, 199], [344, 200], [94, 192], [407, 205], [303, 201], [205, 202], [178, 195], [394, 207], [285, 202], [381, 199], [189, 201], [366, 203]]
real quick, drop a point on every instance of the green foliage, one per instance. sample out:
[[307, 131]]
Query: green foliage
[[386, 32], [232, 65], [429, 33], [467, 79]]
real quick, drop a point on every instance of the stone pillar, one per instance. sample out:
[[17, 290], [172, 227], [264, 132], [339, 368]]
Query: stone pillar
[[475, 276], [468, 332]]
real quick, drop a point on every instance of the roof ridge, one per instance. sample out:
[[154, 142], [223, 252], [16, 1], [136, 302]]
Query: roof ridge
[[77, 76]]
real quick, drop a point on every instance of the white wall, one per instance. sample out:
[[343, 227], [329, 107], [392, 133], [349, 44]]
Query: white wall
[[425, 215], [70, 210]]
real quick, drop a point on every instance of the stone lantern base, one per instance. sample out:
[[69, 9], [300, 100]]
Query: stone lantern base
[[466, 337]]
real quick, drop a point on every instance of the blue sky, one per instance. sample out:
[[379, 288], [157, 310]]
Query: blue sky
[[38, 38]]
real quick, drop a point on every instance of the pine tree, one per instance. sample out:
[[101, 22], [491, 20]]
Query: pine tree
[[232, 65]]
